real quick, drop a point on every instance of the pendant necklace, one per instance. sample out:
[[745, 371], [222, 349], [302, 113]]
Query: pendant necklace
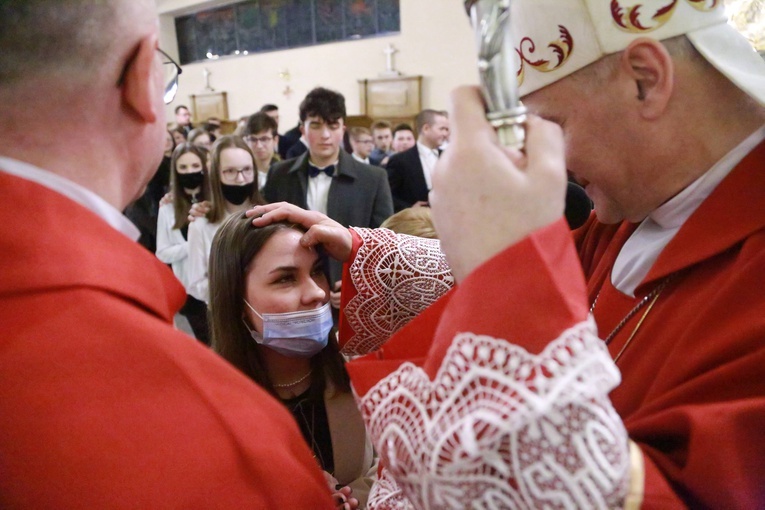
[[311, 426]]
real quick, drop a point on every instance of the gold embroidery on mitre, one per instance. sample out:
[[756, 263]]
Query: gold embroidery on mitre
[[561, 48], [630, 19]]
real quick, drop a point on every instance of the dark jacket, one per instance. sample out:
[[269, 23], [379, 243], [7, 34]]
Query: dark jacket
[[406, 178]]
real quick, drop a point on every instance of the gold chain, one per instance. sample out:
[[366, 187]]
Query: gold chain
[[288, 385], [649, 299]]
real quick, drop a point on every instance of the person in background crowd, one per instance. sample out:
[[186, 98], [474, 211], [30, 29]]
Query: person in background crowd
[[179, 135], [412, 221], [189, 184], [410, 173], [383, 140], [262, 282], [361, 144], [183, 119], [103, 404], [213, 126], [201, 138], [403, 138], [232, 189], [261, 135], [143, 212]]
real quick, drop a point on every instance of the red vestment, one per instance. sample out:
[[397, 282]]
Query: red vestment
[[102, 403], [692, 395]]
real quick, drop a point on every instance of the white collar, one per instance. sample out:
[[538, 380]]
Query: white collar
[[73, 191], [365, 160], [644, 246], [424, 149], [675, 211]]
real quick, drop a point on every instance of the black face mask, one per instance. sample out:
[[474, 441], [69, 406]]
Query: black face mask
[[191, 181], [237, 194]]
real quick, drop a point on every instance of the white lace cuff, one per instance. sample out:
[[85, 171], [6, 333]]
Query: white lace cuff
[[502, 428], [387, 495], [396, 277]]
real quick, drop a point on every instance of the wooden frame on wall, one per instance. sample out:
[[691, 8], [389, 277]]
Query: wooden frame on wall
[[396, 99], [204, 106]]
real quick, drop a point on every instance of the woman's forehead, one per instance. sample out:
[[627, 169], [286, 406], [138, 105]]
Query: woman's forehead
[[283, 248]]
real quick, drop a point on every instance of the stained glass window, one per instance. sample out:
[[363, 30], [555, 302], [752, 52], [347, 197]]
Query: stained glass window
[[266, 25]]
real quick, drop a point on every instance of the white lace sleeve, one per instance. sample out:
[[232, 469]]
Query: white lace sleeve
[[396, 277], [387, 495], [501, 428]]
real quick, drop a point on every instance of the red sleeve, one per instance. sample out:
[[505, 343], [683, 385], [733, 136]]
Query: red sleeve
[[503, 298], [549, 278]]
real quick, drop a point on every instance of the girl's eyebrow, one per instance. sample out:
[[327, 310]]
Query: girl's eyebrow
[[283, 269]]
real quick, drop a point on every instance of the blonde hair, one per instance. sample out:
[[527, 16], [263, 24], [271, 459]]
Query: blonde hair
[[413, 221]]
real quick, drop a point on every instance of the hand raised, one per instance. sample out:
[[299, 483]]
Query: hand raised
[[486, 197], [199, 210], [321, 229]]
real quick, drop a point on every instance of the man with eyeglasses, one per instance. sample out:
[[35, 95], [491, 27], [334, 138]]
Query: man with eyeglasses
[[261, 134], [361, 143], [103, 404]]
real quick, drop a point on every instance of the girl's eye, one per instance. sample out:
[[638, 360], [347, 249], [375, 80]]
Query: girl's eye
[[285, 279]]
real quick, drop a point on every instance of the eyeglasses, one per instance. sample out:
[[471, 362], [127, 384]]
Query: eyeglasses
[[230, 174], [258, 139], [172, 70]]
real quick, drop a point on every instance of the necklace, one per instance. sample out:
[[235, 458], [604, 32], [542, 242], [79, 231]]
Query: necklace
[[308, 428], [293, 383], [649, 299]]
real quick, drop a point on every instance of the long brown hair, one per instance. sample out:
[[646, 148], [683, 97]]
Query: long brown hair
[[181, 200], [218, 210], [235, 245]]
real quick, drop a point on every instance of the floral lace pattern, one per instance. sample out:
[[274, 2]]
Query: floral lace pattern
[[502, 428], [396, 277], [387, 495]]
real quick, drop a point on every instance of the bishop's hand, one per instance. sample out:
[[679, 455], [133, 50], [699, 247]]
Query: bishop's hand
[[321, 229], [487, 197]]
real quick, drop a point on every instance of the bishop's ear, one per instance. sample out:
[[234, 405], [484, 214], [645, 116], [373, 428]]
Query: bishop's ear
[[140, 85], [651, 68]]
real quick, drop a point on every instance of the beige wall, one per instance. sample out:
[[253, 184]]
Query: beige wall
[[436, 41]]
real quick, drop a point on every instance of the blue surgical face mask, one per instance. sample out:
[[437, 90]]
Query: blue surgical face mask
[[294, 334]]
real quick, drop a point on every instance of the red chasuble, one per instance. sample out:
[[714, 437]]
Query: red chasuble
[[691, 358]]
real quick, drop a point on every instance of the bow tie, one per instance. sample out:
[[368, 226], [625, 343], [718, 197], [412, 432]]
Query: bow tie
[[313, 171]]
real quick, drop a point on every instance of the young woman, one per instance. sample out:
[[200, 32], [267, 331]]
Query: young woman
[[270, 317], [201, 138], [232, 189], [188, 185]]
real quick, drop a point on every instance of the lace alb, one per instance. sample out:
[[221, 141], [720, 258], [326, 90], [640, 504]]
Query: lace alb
[[499, 427]]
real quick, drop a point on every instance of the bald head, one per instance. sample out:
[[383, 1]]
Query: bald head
[[89, 68], [78, 40]]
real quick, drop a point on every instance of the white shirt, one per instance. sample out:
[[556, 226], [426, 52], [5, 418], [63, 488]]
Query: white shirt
[[172, 248], [365, 160], [318, 190], [201, 233], [428, 158], [73, 191], [262, 179], [644, 246]]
